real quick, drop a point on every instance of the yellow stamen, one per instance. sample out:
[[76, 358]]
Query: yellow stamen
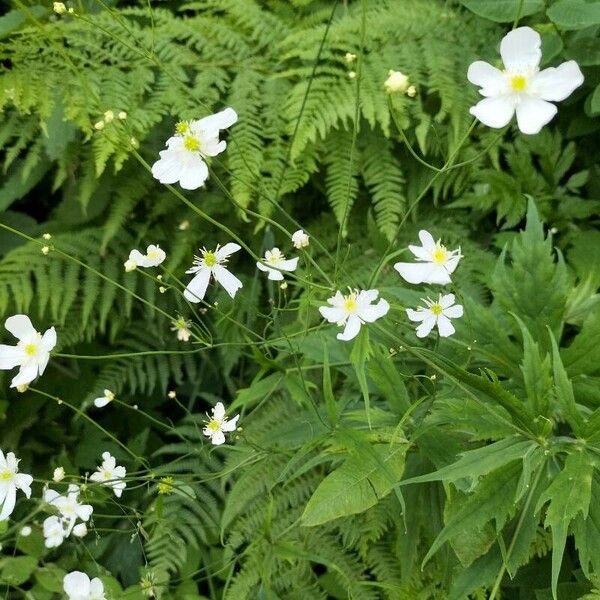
[[350, 304], [436, 309], [210, 259], [30, 349], [182, 128], [439, 255], [518, 83], [213, 425], [191, 143], [6, 475]]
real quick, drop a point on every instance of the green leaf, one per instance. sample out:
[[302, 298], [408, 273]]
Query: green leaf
[[569, 495], [15, 18], [574, 14], [475, 463], [50, 578], [587, 533], [503, 11], [361, 351], [595, 102], [355, 486], [17, 570]]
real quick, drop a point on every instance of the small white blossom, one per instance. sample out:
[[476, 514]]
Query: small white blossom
[[211, 263], [54, 531], [45, 250], [350, 58], [110, 474], [99, 125], [217, 425], [300, 239], [47, 236], [130, 265], [122, 115], [435, 263], [11, 481], [193, 142], [59, 474], [436, 312], [22, 388], [154, 256], [31, 353], [25, 531], [276, 260], [182, 327], [80, 530], [396, 82], [411, 92], [59, 8], [351, 74], [354, 310], [78, 586], [522, 87], [109, 116], [102, 401], [69, 507]]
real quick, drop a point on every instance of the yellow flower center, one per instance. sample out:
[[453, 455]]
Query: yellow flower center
[[30, 349], [6, 475], [165, 485], [210, 259], [213, 425], [182, 128], [153, 254], [439, 255], [518, 83], [106, 474], [350, 304], [191, 143], [436, 309]]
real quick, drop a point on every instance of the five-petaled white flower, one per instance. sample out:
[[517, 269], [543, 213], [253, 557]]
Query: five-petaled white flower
[[69, 507], [110, 474], [300, 239], [11, 481], [435, 262], [522, 87], [184, 159], [277, 263], [182, 327], [396, 82], [354, 310], [154, 256], [218, 424], [436, 312], [211, 263], [31, 353], [78, 586], [102, 401]]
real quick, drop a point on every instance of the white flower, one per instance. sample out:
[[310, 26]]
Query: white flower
[[350, 58], [59, 474], [69, 507], [109, 116], [218, 424], [354, 310], [184, 159], [54, 532], [80, 530], [25, 531], [300, 239], [211, 263], [31, 353], [110, 474], [396, 82], [11, 481], [104, 400], [276, 259], [77, 586], [435, 265], [182, 327], [59, 8], [522, 87], [436, 312], [154, 256], [122, 115]]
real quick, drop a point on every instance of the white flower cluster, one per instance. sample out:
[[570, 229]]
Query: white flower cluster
[[78, 586], [60, 526]]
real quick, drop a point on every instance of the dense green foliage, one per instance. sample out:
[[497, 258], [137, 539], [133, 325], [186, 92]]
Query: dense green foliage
[[385, 468]]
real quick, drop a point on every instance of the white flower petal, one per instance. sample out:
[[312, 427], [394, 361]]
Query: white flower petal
[[445, 327], [196, 288], [217, 438], [20, 326], [76, 585], [213, 147], [494, 112], [555, 84], [221, 120], [351, 330], [375, 311], [231, 424], [23, 482], [27, 373], [101, 402], [533, 114], [193, 175], [491, 80], [218, 411], [426, 326], [9, 502], [446, 300], [427, 240], [412, 272], [227, 279], [227, 250], [333, 314], [48, 341], [521, 47], [454, 312], [10, 356], [417, 315], [167, 168], [96, 589], [290, 264]]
